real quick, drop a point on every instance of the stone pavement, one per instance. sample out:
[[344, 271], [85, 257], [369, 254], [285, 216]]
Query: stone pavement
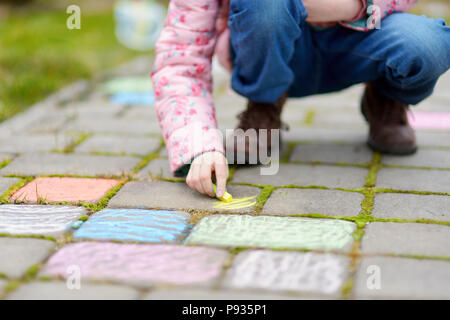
[[90, 211]]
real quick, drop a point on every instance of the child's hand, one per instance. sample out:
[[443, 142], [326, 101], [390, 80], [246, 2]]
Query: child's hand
[[200, 173]]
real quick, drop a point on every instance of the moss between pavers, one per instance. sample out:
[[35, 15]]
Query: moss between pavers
[[83, 218], [425, 193], [69, 148], [5, 162], [413, 167], [368, 201], [29, 276], [420, 257], [231, 172], [11, 286], [32, 272], [373, 170], [103, 202], [309, 117], [114, 154], [289, 149], [334, 164], [263, 197], [422, 221], [34, 236], [146, 160]]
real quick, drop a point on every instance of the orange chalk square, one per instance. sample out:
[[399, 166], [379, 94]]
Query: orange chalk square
[[64, 189]]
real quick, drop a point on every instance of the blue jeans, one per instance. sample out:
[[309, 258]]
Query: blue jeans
[[274, 50]]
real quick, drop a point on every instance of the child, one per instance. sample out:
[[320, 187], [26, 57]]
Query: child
[[290, 48]]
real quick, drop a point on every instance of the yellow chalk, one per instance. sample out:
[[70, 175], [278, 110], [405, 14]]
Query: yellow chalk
[[226, 196]]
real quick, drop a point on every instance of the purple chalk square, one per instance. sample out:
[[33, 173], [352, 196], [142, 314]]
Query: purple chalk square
[[138, 264]]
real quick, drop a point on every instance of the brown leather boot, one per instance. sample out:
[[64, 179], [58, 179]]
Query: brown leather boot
[[390, 131], [257, 116]]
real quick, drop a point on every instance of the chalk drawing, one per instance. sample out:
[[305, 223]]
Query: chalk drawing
[[142, 264], [293, 271], [38, 220], [236, 203], [273, 232], [135, 225]]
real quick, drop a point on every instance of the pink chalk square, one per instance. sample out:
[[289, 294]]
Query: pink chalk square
[[137, 263], [430, 120], [64, 189]]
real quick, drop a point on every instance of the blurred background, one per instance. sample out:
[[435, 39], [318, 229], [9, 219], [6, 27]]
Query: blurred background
[[39, 54]]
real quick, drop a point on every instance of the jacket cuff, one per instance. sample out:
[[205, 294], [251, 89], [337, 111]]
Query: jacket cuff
[[188, 142], [360, 21]]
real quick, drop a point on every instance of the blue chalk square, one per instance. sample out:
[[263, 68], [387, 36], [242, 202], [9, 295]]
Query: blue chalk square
[[135, 225]]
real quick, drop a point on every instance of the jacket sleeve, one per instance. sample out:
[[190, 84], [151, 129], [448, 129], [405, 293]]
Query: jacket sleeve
[[374, 11], [182, 82]]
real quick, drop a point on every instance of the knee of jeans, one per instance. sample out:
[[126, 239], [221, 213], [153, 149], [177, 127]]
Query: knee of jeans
[[426, 44], [267, 16]]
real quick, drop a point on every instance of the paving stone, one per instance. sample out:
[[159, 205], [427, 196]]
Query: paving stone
[[83, 165], [338, 118], [403, 278], [413, 180], [53, 290], [3, 284], [163, 153], [64, 190], [138, 264], [202, 294], [229, 106], [5, 183], [5, 156], [301, 201], [48, 123], [411, 206], [288, 271], [348, 98], [407, 239], [293, 114], [94, 107], [173, 195], [433, 105], [38, 220], [120, 145], [35, 143], [438, 139], [325, 135], [353, 154], [114, 125], [273, 232], [19, 254], [305, 175], [157, 168], [140, 112], [423, 158], [135, 225]]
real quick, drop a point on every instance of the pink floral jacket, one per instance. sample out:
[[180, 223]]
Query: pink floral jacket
[[194, 30]]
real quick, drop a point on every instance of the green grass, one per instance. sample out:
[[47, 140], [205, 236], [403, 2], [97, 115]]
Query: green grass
[[40, 55]]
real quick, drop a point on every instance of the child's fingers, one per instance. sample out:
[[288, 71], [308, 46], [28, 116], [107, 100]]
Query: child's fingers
[[221, 170], [190, 178], [205, 179]]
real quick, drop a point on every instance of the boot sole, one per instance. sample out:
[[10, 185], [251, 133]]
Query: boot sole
[[394, 150]]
